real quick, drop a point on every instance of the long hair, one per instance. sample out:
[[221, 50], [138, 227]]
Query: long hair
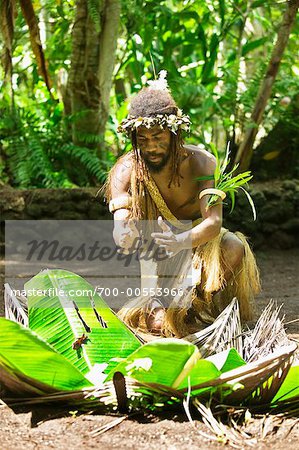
[[149, 103]]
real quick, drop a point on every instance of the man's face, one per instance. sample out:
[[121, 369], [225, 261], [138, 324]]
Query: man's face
[[154, 145]]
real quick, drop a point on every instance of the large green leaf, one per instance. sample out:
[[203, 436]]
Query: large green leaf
[[252, 45], [290, 387], [60, 317], [176, 363], [165, 361], [202, 371], [227, 360], [212, 367], [25, 355]]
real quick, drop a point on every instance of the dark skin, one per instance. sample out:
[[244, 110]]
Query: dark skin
[[183, 201]]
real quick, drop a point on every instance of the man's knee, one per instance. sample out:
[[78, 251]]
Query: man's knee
[[233, 249]]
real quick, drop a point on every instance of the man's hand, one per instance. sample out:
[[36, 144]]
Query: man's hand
[[126, 235], [173, 243]]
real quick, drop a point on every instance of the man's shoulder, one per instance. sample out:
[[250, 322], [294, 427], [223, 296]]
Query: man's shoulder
[[126, 158], [124, 165], [201, 161], [120, 175]]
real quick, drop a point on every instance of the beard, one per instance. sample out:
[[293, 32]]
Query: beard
[[159, 164]]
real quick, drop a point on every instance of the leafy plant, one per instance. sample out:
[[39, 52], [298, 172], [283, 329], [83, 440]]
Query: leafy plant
[[227, 181], [39, 151], [47, 365], [39, 366], [61, 318]]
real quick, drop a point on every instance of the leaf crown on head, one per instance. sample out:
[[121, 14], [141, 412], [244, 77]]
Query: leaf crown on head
[[173, 121]]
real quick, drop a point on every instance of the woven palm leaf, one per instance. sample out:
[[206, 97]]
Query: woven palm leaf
[[250, 376], [262, 379], [266, 391], [232, 434], [224, 333]]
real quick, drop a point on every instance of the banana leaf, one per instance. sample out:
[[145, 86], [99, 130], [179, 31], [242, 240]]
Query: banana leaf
[[211, 368], [173, 366], [60, 317], [290, 387], [176, 363], [227, 360], [165, 361], [28, 364]]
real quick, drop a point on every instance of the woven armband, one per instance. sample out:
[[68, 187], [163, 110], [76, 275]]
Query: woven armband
[[212, 191], [123, 202]]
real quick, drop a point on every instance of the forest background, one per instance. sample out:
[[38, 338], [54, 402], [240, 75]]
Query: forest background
[[69, 68]]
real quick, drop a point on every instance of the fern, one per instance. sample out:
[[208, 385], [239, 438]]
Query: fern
[[88, 159], [94, 10], [41, 168], [39, 153], [19, 163], [89, 138]]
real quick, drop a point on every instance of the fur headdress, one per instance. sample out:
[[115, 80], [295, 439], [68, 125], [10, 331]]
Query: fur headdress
[[153, 106]]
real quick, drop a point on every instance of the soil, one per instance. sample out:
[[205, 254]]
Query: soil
[[33, 430]]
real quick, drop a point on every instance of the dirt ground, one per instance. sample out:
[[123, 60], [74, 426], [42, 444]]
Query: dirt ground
[[280, 281]]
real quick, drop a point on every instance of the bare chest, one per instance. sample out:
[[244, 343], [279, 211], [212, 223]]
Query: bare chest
[[182, 200]]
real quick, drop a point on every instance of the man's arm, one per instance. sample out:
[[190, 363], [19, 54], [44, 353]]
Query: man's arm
[[124, 232], [204, 164], [120, 184]]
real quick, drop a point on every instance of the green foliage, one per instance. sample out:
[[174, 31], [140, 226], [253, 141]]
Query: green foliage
[[39, 152], [43, 360], [225, 180], [94, 10], [215, 63], [54, 317], [22, 351]]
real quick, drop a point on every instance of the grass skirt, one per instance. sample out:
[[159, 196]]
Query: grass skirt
[[202, 294]]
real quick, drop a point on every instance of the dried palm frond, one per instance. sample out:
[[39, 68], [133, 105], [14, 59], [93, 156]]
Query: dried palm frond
[[267, 335], [262, 379], [223, 334], [109, 426], [17, 382], [289, 408], [2, 404], [247, 378], [232, 435], [15, 308], [266, 391]]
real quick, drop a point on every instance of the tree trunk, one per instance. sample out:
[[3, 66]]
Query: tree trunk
[[37, 48], [7, 22], [108, 43], [92, 64], [245, 152]]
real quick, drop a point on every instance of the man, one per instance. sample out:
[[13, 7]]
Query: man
[[158, 181]]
